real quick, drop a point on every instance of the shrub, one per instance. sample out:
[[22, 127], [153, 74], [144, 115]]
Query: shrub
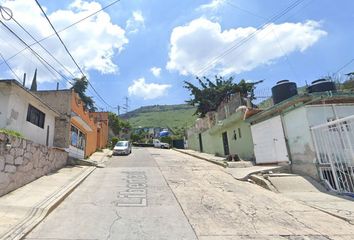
[[166, 139], [11, 132], [114, 141]]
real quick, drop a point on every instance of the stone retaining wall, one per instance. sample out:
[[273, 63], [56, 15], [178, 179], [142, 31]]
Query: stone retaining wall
[[26, 161]]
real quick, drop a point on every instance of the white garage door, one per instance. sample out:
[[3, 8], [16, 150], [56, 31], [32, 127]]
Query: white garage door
[[269, 141]]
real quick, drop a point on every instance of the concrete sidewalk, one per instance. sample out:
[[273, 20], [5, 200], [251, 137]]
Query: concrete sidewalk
[[97, 159], [311, 193], [100, 158], [205, 156], [21, 210]]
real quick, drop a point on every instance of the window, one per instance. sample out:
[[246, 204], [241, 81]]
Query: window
[[239, 132], [235, 135], [78, 138], [35, 116]]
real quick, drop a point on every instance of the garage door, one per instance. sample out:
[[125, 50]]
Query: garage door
[[269, 141]]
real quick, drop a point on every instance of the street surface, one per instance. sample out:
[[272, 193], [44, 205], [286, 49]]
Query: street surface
[[163, 194]]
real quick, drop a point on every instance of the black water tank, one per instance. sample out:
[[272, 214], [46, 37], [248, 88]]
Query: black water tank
[[283, 90], [321, 85]]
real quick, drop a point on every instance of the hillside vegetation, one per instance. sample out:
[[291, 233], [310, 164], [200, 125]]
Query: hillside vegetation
[[172, 116]]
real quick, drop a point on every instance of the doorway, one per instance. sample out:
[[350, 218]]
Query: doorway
[[225, 142], [200, 142]]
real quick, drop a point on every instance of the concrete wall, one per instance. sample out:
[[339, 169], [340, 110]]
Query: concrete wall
[[297, 124], [213, 144], [60, 101], [26, 161], [14, 114], [298, 135]]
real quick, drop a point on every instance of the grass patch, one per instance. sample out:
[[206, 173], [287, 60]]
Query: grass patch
[[11, 132]]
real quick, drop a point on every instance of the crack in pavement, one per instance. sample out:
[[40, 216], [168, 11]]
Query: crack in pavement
[[112, 224]]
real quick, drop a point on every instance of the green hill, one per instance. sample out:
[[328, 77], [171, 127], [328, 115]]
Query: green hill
[[172, 116]]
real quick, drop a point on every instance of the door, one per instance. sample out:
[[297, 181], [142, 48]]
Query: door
[[269, 141], [225, 143], [200, 142]]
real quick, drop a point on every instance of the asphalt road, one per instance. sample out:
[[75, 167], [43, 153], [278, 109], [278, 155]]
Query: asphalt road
[[163, 194]]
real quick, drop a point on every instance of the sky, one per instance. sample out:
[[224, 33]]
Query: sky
[[145, 50]]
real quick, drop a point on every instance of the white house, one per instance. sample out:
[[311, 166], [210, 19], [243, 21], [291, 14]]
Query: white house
[[23, 111], [313, 133]]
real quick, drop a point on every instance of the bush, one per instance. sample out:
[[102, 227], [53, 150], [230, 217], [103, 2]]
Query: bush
[[11, 132], [166, 139], [114, 141]]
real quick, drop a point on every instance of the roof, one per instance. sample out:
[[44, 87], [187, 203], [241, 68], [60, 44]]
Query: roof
[[14, 82], [302, 100]]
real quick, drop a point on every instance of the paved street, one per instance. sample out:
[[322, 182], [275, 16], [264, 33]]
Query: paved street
[[163, 194]]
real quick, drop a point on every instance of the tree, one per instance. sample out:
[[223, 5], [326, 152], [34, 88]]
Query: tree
[[117, 124], [80, 87], [212, 93]]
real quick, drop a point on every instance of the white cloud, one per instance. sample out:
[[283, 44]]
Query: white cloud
[[213, 5], [147, 91], [92, 42], [156, 71], [135, 22], [195, 45]]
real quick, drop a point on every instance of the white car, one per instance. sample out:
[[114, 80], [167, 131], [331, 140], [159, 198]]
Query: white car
[[158, 144], [122, 148]]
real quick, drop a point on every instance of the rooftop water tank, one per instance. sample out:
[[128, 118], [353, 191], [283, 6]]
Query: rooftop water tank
[[283, 90], [321, 85]]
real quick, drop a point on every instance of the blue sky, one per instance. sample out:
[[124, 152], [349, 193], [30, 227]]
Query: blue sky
[[146, 49]]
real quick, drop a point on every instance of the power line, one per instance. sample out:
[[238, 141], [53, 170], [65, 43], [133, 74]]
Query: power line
[[63, 29], [39, 57], [67, 50], [249, 37], [7, 64], [33, 38], [344, 66], [274, 31], [61, 40]]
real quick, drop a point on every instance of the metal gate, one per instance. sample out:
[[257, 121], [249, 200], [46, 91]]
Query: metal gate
[[334, 145]]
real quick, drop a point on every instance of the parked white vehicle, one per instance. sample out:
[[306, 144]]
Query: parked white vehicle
[[122, 147], [158, 144]]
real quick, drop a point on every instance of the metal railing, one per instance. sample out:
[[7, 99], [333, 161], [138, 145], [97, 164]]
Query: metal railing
[[334, 146]]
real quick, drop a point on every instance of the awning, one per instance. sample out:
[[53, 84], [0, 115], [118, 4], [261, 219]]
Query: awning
[[81, 122]]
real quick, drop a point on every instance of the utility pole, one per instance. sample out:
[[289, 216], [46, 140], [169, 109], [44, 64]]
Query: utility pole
[[118, 110], [126, 105]]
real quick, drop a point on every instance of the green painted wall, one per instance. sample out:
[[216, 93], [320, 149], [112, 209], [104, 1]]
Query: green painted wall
[[213, 144]]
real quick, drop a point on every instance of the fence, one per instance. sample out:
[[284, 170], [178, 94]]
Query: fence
[[334, 146]]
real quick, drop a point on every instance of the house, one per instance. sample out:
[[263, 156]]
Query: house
[[80, 132], [225, 131], [23, 111], [313, 132]]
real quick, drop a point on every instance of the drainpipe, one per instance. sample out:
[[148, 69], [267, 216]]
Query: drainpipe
[[24, 80]]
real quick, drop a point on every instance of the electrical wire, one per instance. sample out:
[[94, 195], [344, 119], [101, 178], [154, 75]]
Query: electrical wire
[[39, 57], [249, 37], [67, 50], [7, 64], [344, 66], [50, 54], [7, 11], [63, 29]]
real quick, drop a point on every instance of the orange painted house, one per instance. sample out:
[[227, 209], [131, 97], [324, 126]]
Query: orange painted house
[[80, 132]]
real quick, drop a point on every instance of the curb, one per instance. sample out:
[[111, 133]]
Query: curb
[[44, 208], [220, 163]]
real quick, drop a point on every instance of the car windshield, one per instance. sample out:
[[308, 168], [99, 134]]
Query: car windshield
[[122, 144]]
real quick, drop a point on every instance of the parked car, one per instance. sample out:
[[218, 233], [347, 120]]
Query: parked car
[[158, 144], [122, 148]]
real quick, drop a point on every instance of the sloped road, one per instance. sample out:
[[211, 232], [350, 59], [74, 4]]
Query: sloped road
[[163, 194]]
